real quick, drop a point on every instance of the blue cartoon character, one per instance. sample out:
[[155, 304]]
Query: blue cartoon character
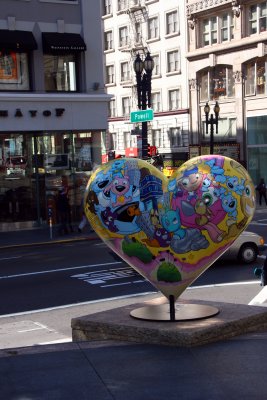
[[229, 204], [233, 184], [216, 170], [183, 240], [171, 221]]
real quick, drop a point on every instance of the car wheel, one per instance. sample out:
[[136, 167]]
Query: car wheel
[[248, 253]]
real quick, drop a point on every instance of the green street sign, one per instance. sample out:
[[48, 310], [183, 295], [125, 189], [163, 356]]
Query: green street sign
[[142, 116]]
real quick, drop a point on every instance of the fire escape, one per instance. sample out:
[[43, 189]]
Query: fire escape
[[137, 13]]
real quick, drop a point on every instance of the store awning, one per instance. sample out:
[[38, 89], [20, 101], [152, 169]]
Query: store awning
[[19, 41], [62, 42]]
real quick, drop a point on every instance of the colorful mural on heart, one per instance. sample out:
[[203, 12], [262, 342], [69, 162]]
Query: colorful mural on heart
[[170, 230]]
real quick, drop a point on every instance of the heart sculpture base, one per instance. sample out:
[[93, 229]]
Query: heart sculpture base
[[173, 312]]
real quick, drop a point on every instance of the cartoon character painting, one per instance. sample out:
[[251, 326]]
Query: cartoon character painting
[[170, 231]]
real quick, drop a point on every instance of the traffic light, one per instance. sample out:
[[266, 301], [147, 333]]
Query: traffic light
[[111, 155]]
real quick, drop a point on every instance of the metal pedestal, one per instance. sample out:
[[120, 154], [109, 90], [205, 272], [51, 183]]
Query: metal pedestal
[[174, 312]]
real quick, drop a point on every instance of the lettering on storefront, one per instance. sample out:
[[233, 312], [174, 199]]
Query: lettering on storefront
[[58, 112]]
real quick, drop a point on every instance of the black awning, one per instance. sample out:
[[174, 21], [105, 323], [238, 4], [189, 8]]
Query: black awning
[[19, 41], [62, 43]]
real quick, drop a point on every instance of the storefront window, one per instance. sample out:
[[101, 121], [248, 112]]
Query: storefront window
[[257, 163], [16, 190], [33, 168], [256, 130], [60, 72], [14, 71]]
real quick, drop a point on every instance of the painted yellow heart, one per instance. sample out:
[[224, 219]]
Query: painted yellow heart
[[170, 230]]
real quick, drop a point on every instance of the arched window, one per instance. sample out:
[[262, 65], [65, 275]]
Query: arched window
[[216, 83], [255, 72]]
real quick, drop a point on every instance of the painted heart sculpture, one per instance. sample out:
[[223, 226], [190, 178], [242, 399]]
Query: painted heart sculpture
[[170, 230]]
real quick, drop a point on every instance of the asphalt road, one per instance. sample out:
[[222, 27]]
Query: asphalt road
[[59, 275]]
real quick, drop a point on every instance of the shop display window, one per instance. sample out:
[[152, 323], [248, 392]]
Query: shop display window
[[60, 73], [256, 77], [14, 71], [216, 83]]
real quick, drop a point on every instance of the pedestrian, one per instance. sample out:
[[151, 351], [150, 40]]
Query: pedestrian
[[261, 188], [84, 220], [63, 212]]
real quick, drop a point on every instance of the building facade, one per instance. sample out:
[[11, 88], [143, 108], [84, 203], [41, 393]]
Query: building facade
[[132, 27], [227, 57], [53, 105]]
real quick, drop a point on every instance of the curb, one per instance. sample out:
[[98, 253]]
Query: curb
[[80, 239]]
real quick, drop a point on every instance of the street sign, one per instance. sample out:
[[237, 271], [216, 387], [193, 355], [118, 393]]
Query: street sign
[[142, 116]]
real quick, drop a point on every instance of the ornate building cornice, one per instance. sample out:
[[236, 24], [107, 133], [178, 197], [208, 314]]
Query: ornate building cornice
[[202, 5]]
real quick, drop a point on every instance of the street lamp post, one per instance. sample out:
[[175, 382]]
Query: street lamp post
[[212, 121], [143, 71]]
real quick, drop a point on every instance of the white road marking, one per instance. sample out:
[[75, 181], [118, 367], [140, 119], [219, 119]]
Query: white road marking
[[260, 299], [9, 258], [38, 327], [58, 270], [65, 340]]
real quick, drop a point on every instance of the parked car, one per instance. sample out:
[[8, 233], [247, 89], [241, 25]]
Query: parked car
[[246, 248]]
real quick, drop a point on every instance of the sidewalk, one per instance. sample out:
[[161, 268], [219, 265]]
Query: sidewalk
[[232, 369], [42, 235]]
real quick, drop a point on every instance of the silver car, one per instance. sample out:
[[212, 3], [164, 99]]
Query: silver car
[[246, 248]]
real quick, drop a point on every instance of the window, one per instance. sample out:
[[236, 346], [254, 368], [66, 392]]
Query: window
[[216, 83], [227, 27], [174, 99], [108, 40], [122, 4], [173, 61], [256, 72], [60, 73], [123, 36], [217, 29], [175, 137], [107, 7], [226, 130], [14, 71], [257, 18], [172, 22], [113, 140], [125, 72], [157, 138], [110, 74], [156, 69], [153, 28], [210, 31], [155, 101], [126, 106], [112, 108], [128, 139]]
